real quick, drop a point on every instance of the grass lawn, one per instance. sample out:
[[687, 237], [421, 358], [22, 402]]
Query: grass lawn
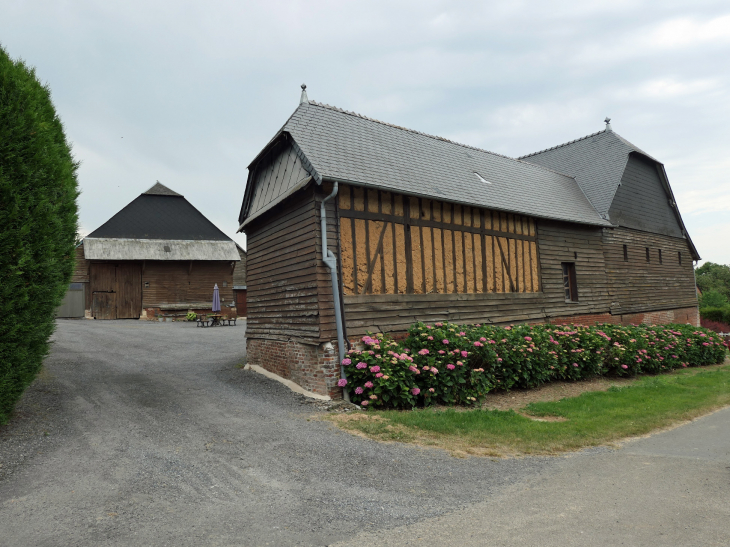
[[590, 419]]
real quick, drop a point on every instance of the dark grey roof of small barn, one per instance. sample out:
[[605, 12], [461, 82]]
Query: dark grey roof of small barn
[[160, 190], [160, 213], [597, 162], [352, 148]]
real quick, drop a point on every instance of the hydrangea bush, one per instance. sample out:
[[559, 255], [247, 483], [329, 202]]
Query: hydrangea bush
[[448, 364]]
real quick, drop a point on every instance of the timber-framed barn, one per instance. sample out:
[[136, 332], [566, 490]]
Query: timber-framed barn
[[418, 227], [157, 258]]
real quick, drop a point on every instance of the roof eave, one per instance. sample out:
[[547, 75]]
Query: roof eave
[[599, 221]]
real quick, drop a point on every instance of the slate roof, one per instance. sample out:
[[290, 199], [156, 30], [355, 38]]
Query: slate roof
[[160, 213], [352, 148], [160, 190], [597, 162]]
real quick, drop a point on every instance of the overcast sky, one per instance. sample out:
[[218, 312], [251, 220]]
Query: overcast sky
[[187, 93]]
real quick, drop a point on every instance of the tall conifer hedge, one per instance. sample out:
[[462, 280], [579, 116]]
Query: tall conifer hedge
[[38, 221]]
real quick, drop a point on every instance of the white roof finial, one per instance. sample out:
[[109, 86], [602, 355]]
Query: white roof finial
[[608, 123], [304, 99]]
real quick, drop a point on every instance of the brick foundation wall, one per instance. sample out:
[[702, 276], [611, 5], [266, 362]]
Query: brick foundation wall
[[678, 315], [315, 368]]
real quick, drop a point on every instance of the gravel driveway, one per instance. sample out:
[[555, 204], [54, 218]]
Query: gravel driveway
[[142, 433]]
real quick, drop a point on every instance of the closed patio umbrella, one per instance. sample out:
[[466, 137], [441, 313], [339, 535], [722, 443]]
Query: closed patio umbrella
[[216, 299]]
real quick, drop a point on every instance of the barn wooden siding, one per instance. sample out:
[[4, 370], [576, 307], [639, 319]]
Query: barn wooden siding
[[637, 285], [394, 244], [283, 276], [556, 242], [184, 282]]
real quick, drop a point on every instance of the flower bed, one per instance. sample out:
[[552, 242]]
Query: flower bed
[[449, 364]]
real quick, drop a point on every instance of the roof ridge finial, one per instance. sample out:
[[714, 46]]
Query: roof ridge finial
[[304, 99], [608, 124]]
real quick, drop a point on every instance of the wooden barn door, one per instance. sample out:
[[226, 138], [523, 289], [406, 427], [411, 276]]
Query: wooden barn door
[[129, 291], [103, 280], [116, 290], [241, 303]]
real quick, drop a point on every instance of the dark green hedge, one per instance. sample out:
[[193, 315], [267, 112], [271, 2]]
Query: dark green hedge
[[721, 315], [38, 221]]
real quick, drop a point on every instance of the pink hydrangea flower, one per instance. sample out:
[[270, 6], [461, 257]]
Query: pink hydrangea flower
[[368, 384], [624, 367], [379, 375], [413, 368], [432, 390], [415, 391], [499, 359], [462, 333], [445, 341], [361, 365], [575, 364], [373, 397], [450, 366], [346, 361], [439, 324], [459, 363], [365, 403], [464, 354], [478, 344], [359, 390], [434, 370], [442, 352], [482, 339], [342, 382], [528, 338], [429, 338], [374, 369], [424, 351]]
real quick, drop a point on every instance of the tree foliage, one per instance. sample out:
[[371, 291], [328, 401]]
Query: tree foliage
[[711, 276], [38, 221]]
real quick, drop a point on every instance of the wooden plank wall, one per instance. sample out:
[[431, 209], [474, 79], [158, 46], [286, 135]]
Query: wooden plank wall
[[282, 272], [563, 242], [179, 282], [637, 285], [239, 272], [556, 243], [394, 244], [81, 267]]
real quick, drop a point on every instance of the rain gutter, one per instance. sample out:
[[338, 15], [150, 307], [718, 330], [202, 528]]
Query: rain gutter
[[330, 261]]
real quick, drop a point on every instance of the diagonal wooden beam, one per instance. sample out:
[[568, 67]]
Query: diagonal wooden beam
[[374, 259], [506, 266]]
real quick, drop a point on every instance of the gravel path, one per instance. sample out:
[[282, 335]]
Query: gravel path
[[141, 433]]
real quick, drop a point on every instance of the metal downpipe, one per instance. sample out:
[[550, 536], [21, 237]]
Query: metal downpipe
[[330, 261]]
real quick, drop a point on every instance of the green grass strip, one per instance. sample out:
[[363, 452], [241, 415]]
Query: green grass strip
[[593, 418]]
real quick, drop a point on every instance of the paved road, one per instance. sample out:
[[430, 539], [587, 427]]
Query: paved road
[[148, 434]]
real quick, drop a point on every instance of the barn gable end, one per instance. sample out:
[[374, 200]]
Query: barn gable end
[[641, 202]]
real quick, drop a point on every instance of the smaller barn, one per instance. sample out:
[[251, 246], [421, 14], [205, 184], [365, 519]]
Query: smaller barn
[[158, 257]]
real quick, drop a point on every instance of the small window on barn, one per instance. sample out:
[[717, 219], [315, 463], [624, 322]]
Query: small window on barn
[[626, 253], [569, 282], [648, 255], [660, 256], [679, 256]]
